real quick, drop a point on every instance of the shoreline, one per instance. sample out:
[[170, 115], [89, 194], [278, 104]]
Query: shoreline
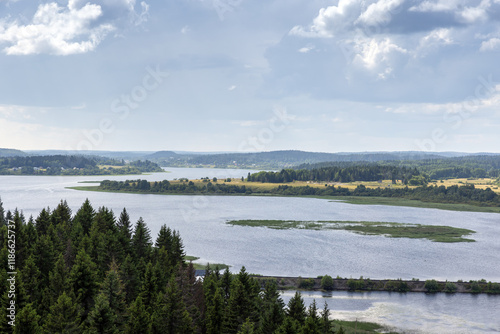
[[383, 285], [356, 200]]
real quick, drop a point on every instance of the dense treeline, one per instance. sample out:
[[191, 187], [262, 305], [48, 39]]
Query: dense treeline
[[94, 273], [472, 166], [466, 194], [175, 188], [72, 165], [341, 174]]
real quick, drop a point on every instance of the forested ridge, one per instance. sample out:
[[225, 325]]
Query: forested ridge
[[470, 166], [72, 165], [92, 272]]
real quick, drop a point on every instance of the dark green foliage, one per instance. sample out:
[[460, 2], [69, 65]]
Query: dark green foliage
[[101, 318], [327, 282], [141, 241], [450, 287], [306, 283], [72, 165], [64, 316], [296, 308], [431, 286], [138, 318], [27, 321], [340, 174]]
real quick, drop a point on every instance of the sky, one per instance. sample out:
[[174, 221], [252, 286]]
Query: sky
[[246, 76]]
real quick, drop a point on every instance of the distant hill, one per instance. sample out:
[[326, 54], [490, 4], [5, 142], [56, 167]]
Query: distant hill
[[162, 155], [282, 159], [8, 152]]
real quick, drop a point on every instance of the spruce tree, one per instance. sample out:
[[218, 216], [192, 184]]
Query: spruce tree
[[83, 280], [138, 318], [272, 310], [296, 308], [325, 319], [84, 216], [101, 319], [3, 220], [170, 315], [27, 321], [64, 316], [141, 241]]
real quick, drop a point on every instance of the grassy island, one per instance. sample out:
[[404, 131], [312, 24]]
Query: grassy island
[[392, 230]]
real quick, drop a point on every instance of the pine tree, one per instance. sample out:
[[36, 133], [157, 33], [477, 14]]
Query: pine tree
[[44, 258], [214, 315], [27, 321], [247, 327], [62, 213], [30, 280], [170, 315], [296, 308], [43, 221], [289, 326], [83, 280], [149, 288], [84, 216], [325, 319], [101, 319], [113, 290], [272, 310], [138, 318], [124, 227], [64, 316], [3, 220], [141, 241], [130, 277]]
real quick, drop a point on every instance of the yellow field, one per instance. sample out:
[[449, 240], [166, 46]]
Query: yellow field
[[108, 166], [493, 184], [479, 183]]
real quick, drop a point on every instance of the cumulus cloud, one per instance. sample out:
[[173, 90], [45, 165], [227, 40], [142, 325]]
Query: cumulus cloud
[[78, 27], [413, 47], [490, 44]]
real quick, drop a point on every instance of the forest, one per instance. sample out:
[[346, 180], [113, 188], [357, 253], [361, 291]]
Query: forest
[[342, 174], [72, 165], [92, 272], [469, 166]]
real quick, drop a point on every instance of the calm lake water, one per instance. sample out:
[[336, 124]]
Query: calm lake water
[[201, 222]]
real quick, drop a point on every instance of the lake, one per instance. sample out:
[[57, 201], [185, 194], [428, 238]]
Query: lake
[[201, 223]]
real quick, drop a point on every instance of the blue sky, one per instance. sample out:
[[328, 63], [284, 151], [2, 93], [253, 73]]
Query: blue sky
[[241, 75]]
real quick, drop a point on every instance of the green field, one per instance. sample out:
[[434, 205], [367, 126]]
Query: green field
[[394, 201], [392, 230]]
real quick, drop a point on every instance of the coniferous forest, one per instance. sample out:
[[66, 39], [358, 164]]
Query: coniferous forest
[[93, 272]]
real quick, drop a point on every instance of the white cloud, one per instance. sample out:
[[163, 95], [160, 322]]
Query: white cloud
[[376, 54], [490, 45], [231, 88], [56, 30], [331, 20], [380, 12], [436, 6], [185, 30], [306, 49], [78, 27]]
